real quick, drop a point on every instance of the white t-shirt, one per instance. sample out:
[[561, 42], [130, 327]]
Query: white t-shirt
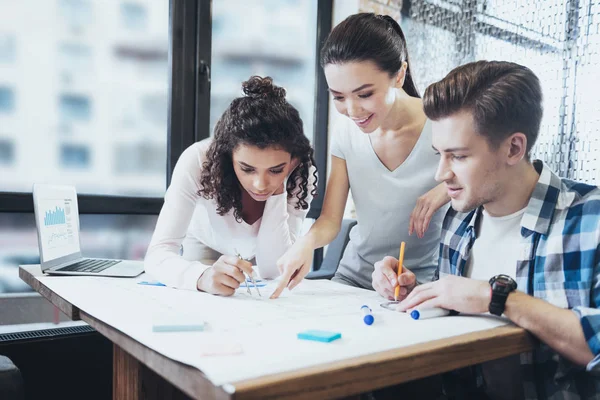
[[384, 200], [497, 247], [186, 213], [496, 251]]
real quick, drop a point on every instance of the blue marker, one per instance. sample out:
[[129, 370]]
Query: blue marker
[[367, 315], [429, 313]]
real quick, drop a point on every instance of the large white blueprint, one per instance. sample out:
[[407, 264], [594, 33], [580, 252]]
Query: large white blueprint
[[254, 336]]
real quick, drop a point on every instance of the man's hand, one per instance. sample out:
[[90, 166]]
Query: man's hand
[[385, 279], [225, 276], [426, 206], [452, 293], [294, 265]]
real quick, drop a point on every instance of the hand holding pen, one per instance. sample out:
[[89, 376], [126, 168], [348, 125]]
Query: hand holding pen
[[225, 276], [392, 280], [249, 280]]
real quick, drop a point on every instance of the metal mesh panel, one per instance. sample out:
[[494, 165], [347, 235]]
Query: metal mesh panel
[[558, 39]]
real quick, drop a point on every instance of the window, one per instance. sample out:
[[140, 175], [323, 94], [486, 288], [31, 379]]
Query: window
[[76, 12], [138, 158], [273, 38], [7, 48], [7, 100], [74, 156], [75, 108], [67, 129], [557, 39], [75, 57], [134, 16], [584, 149], [533, 19], [76, 95], [7, 152], [154, 109]]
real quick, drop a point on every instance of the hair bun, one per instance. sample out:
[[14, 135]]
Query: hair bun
[[262, 88]]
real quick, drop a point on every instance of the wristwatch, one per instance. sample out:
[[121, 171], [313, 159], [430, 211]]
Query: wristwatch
[[502, 285]]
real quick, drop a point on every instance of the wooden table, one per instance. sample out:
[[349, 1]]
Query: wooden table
[[142, 373]]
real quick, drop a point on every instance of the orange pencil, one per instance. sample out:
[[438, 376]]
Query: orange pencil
[[400, 262]]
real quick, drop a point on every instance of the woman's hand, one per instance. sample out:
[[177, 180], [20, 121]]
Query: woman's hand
[[426, 206], [294, 265], [225, 276]]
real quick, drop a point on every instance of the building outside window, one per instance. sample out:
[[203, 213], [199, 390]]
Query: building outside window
[[7, 100], [134, 16], [74, 156], [274, 38], [7, 152], [8, 48], [75, 108]]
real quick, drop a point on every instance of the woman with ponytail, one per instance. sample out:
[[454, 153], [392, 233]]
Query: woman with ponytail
[[382, 152], [245, 192]]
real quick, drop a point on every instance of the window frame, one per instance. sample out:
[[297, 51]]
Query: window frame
[[189, 108], [183, 19]]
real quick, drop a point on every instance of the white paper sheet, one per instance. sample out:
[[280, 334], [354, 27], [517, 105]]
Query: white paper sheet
[[250, 336]]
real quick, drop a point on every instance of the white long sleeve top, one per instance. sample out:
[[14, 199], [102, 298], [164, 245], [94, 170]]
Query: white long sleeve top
[[185, 212]]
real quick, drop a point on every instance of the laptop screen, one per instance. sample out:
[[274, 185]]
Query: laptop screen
[[57, 220]]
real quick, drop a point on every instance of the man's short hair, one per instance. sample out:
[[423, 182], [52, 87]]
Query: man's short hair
[[503, 97]]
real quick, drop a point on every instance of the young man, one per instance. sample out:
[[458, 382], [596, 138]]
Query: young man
[[518, 241]]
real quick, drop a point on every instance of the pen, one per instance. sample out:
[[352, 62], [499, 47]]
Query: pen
[[429, 313], [400, 262], [367, 315], [247, 287]]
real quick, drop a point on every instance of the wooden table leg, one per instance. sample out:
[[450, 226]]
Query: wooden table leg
[[132, 380], [126, 375]]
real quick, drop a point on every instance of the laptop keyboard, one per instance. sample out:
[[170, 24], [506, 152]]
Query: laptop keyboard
[[90, 266]]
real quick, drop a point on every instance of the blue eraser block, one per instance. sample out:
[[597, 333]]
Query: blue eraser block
[[178, 327], [319, 336]]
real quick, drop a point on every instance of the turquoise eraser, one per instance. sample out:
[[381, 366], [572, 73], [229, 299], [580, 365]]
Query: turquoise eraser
[[319, 336], [177, 327]]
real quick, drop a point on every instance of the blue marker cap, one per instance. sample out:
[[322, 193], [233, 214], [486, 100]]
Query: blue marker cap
[[367, 316], [429, 313]]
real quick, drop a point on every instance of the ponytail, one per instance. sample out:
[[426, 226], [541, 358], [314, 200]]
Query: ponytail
[[409, 84]]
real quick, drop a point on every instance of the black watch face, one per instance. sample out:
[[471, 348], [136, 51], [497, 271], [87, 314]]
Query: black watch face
[[503, 283]]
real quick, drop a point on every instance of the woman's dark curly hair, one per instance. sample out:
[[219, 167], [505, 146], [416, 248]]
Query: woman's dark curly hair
[[261, 118]]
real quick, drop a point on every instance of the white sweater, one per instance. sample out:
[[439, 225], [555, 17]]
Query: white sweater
[[185, 213]]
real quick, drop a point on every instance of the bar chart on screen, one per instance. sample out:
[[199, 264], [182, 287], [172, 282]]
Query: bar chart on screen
[[55, 217], [58, 222]]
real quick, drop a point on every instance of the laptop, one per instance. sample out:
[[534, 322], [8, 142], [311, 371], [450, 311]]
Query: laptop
[[57, 222]]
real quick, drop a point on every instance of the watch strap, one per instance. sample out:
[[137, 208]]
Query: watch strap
[[498, 302]]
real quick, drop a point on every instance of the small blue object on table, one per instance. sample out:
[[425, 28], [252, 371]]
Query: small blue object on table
[[319, 336]]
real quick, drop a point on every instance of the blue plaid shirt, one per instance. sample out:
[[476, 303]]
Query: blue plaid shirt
[[559, 263]]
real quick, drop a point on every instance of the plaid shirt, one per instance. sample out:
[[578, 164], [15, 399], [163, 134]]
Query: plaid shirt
[[559, 263]]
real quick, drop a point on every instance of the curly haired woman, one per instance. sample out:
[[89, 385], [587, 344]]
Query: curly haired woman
[[244, 192]]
